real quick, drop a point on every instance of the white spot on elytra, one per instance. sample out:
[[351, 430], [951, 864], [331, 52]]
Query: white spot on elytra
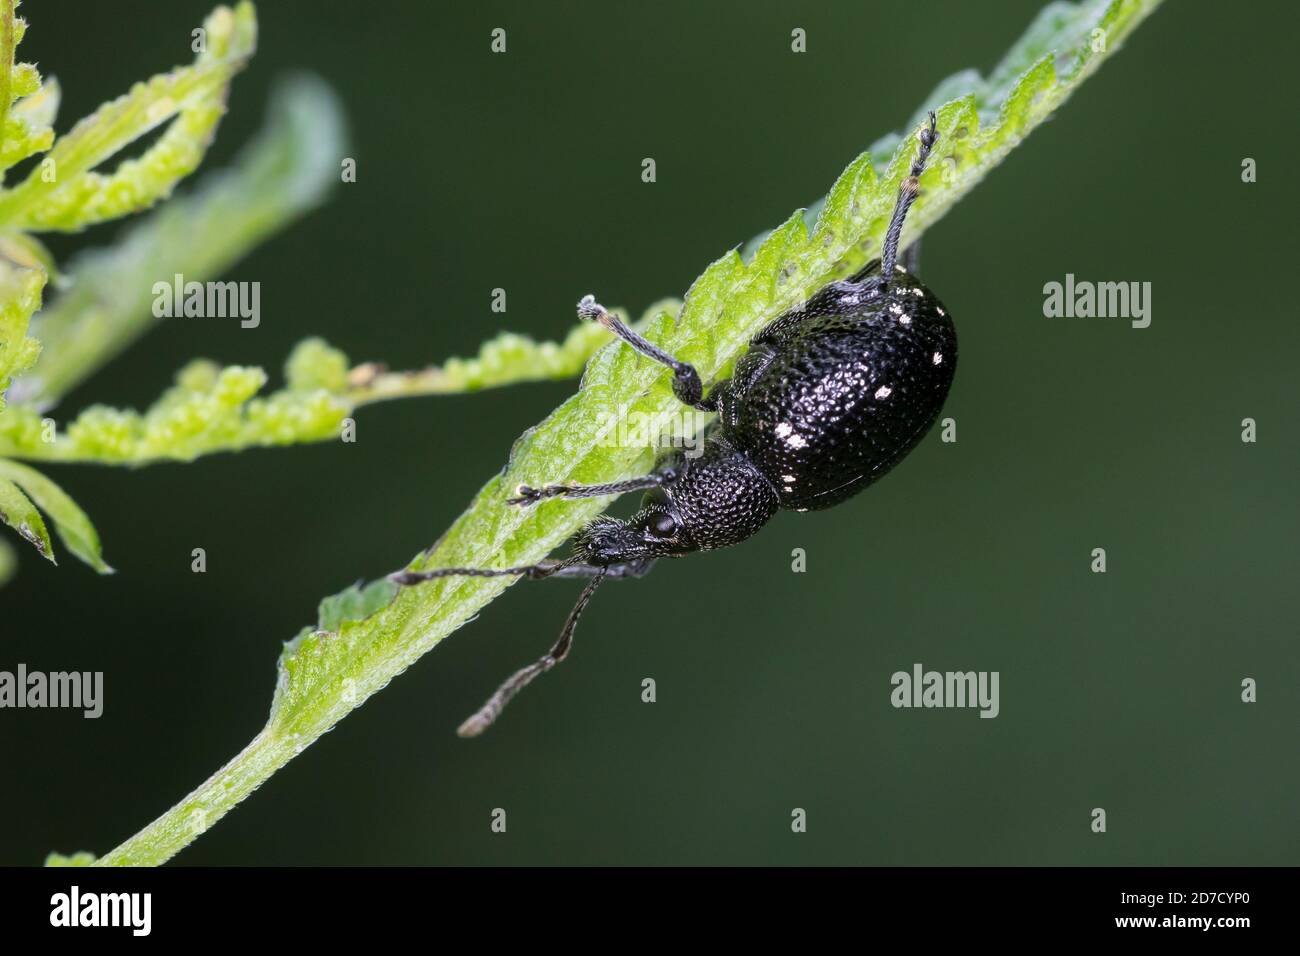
[[788, 479], [786, 431], [897, 309], [938, 358], [940, 311], [883, 392]]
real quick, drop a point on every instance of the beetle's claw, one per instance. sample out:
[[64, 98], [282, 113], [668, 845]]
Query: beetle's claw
[[930, 132], [525, 495]]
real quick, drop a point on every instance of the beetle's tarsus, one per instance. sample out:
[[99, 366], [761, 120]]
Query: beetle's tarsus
[[473, 726], [589, 310], [406, 578], [526, 495]]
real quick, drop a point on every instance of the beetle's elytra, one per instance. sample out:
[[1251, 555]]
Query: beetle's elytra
[[828, 398]]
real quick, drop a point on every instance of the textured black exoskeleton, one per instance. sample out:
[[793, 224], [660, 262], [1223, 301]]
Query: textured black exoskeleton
[[827, 399]]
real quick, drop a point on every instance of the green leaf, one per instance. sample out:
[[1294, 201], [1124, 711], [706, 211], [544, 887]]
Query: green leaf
[[8, 43], [20, 298], [27, 108], [191, 99], [28, 252], [17, 511], [281, 175], [40, 109], [507, 359], [73, 527], [209, 409], [325, 674], [75, 859], [212, 409], [354, 603]]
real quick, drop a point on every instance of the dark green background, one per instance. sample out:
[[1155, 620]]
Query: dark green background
[[522, 171]]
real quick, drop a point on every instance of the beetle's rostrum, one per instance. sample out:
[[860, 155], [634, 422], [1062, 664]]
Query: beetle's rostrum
[[828, 398]]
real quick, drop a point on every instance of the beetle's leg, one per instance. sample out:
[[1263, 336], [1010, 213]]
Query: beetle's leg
[[568, 568], [636, 568], [485, 715], [911, 259], [686, 381], [535, 572], [527, 495], [907, 192]]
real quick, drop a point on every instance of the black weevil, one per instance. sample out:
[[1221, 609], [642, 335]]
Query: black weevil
[[828, 398]]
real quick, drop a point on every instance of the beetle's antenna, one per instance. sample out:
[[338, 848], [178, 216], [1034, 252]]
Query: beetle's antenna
[[482, 718], [686, 380], [534, 571], [907, 192]]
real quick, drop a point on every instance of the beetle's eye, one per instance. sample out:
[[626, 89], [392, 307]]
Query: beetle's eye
[[663, 526]]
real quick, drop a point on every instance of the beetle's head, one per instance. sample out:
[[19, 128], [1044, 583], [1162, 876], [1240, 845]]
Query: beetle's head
[[656, 531]]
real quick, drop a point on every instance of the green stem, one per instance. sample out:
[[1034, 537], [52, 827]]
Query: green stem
[[208, 803]]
